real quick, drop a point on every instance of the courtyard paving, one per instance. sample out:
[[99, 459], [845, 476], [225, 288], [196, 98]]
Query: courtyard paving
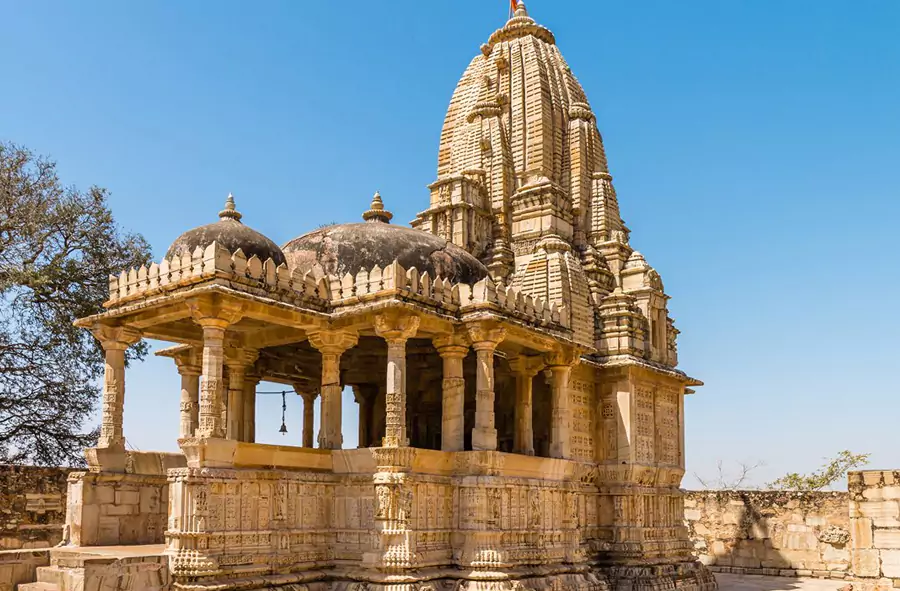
[[729, 582]]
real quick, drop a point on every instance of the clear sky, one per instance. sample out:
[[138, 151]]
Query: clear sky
[[754, 146]]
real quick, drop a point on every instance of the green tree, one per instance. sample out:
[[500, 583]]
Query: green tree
[[58, 246], [833, 470]]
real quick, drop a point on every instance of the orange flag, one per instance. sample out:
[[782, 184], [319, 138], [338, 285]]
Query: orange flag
[[513, 5]]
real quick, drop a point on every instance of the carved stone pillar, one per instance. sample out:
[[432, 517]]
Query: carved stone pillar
[[396, 330], [485, 337], [331, 344], [309, 410], [453, 350], [560, 365], [114, 340], [237, 361], [214, 319], [524, 368], [188, 364], [248, 429]]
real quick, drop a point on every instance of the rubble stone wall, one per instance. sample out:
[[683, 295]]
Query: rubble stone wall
[[32, 506], [775, 533]]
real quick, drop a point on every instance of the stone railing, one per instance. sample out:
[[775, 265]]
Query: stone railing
[[215, 264]]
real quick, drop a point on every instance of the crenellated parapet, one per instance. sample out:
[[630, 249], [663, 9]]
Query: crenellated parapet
[[215, 264], [454, 298]]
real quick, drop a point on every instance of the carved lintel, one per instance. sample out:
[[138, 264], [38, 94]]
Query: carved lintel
[[240, 358]]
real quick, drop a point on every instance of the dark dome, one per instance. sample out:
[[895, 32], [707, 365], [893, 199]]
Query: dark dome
[[230, 233], [349, 248]]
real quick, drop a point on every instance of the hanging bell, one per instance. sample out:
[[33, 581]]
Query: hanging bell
[[283, 429]]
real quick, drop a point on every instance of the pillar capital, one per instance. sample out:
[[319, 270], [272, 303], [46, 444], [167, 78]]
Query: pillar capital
[[333, 342], [114, 338], [485, 335], [563, 357], [189, 362], [214, 313], [452, 345], [306, 393], [526, 365], [236, 357], [396, 327]]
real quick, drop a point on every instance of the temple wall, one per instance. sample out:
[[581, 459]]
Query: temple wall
[[511, 510], [771, 532], [32, 506]]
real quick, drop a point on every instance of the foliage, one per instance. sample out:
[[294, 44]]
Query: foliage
[[833, 470], [728, 481], [58, 246]]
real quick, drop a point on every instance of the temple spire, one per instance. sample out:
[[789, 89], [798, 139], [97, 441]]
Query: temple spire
[[377, 212], [230, 213]]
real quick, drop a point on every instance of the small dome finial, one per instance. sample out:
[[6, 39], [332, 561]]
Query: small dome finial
[[520, 9], [377, 212], [230, 213]]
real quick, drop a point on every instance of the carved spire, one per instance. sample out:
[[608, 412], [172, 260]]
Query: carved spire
[[377, 212], [520, 9], [230, 213]]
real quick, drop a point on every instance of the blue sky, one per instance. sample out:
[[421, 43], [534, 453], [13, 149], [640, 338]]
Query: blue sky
[[754, 146]]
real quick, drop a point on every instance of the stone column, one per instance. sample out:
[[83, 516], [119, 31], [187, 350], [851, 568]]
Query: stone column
[[248, 430], [365, 410], [453, 350], [237, 361], [214, 319], [396, 329], [188, 364], [331, 344], [485, 337], [560, 364], [114, 340], [524, 368], [309, 409]]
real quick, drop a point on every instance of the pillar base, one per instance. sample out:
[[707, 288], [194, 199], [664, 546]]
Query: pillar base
[[484, 439], [106, 459]]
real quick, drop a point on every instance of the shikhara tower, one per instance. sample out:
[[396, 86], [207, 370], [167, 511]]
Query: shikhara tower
[[523, 184], [521, 419]]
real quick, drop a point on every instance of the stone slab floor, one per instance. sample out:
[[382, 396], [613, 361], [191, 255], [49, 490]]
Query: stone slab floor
[[729, 582]]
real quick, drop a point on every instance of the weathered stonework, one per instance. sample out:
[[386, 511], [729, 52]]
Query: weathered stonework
[[32, 506], [776, 533]]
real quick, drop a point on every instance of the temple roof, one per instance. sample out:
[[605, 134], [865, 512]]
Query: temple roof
[[350, 248], [229, 233]]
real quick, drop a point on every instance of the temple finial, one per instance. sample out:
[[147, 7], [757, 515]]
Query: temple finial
[[520, 9], [377, 212], [230, 213]]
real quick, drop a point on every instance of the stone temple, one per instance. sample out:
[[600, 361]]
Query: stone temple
[[521, 417]]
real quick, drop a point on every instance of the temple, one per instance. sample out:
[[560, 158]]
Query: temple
[[521, 417]]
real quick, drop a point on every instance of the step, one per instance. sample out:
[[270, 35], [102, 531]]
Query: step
[[62, 579], [37, 587]]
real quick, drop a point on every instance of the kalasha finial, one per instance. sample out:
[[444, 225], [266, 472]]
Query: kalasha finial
[[377, 212], [230, 213], [520, 9]]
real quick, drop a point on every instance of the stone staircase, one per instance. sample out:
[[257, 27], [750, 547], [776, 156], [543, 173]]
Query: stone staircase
[[122, 568]]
